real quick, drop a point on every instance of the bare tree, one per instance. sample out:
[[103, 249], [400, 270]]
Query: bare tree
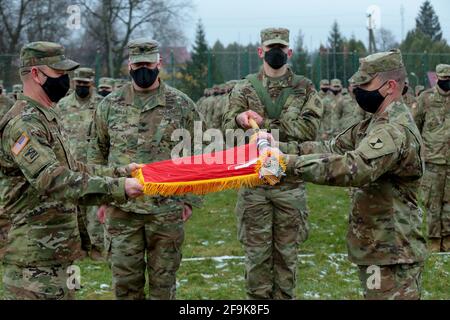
[[385, 40], [112, 23]]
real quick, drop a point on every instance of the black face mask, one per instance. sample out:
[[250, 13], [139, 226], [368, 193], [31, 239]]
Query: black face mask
[[56, 88], [82, 91], [144, 77], [276, 58], [369, 101], [444, 85], [104, 93], [325, 90], [1, 91], [336, 92], [405, 90]]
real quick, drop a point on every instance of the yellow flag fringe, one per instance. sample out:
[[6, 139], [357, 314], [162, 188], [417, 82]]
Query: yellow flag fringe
[[201, 187]]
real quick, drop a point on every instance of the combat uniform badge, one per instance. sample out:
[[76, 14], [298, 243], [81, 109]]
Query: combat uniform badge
[[20, 144], [376, 143]]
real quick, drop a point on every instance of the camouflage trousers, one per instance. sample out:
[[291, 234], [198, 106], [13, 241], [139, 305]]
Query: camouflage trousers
[[436, 197], [272, 222], [132, 237], [4, 228], [82, 228], [36, 283], [94, 229], [396, 282]]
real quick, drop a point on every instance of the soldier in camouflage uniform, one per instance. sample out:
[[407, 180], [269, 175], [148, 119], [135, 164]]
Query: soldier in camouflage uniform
[[326, 123], [77, 113], [105, 86], [136, 122], [348, 111], [119, 83], [336, 116], [213, 110], [272, 222], [324, 88], [408, 97], [383, 158], [16, 90], [433, 119], [5, 105], [46, 181], [418, 90]]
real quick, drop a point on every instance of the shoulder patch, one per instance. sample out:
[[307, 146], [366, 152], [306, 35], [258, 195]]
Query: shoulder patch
[[31, 154], [20, 144], [376, 142]]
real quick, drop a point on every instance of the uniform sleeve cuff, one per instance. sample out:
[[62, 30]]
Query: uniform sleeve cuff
[[118, 190]]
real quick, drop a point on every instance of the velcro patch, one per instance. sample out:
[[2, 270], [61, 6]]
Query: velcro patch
[[31, 154], [376, 143], [20, 144]]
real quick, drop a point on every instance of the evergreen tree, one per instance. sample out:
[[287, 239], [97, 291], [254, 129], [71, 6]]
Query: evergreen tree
[[428, 22], [196, 74], [300, 57], [336, 49]]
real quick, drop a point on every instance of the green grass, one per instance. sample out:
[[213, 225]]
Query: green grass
[[212, 232]]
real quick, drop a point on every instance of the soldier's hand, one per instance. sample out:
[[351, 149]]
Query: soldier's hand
[[187, 212], [134, 166], [101, 214], [243, 119], [133, 188]]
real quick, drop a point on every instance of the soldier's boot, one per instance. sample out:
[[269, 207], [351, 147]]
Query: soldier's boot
[[435, 244], [445, 247]]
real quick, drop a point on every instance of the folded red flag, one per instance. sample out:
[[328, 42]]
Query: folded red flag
[[233, 168]]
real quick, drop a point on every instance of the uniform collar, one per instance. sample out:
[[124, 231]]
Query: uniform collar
[[49, 113], [282, 82], [153, 99]]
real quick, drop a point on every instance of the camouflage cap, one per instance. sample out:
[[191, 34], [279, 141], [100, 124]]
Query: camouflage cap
[[17, 88], [443, 70], [371, 65], [84, 74], [143, 50], [336, 83], [46, 53], [419, 88], [105, 82], [271, 36], [324, 82], [118, 83]]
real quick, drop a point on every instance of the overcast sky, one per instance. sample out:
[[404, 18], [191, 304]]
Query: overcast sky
[[241, 20]]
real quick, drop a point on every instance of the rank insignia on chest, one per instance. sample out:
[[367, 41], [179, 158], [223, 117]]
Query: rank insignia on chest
[[20, 144], [376, 143]]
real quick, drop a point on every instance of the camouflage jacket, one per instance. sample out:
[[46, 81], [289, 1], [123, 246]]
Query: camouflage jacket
[[5, 183], [46, 183], [300, 116], [348, 113], [432, 116], [327, 125], [213, 111], [5, 104], [77, 116], [382, 157], [133, 127], [410, 100]]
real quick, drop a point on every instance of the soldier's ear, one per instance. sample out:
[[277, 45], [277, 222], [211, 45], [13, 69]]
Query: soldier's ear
[[261, 52], [290, 52]]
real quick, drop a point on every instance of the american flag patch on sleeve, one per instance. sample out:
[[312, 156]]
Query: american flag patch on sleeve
[[20, 144]]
